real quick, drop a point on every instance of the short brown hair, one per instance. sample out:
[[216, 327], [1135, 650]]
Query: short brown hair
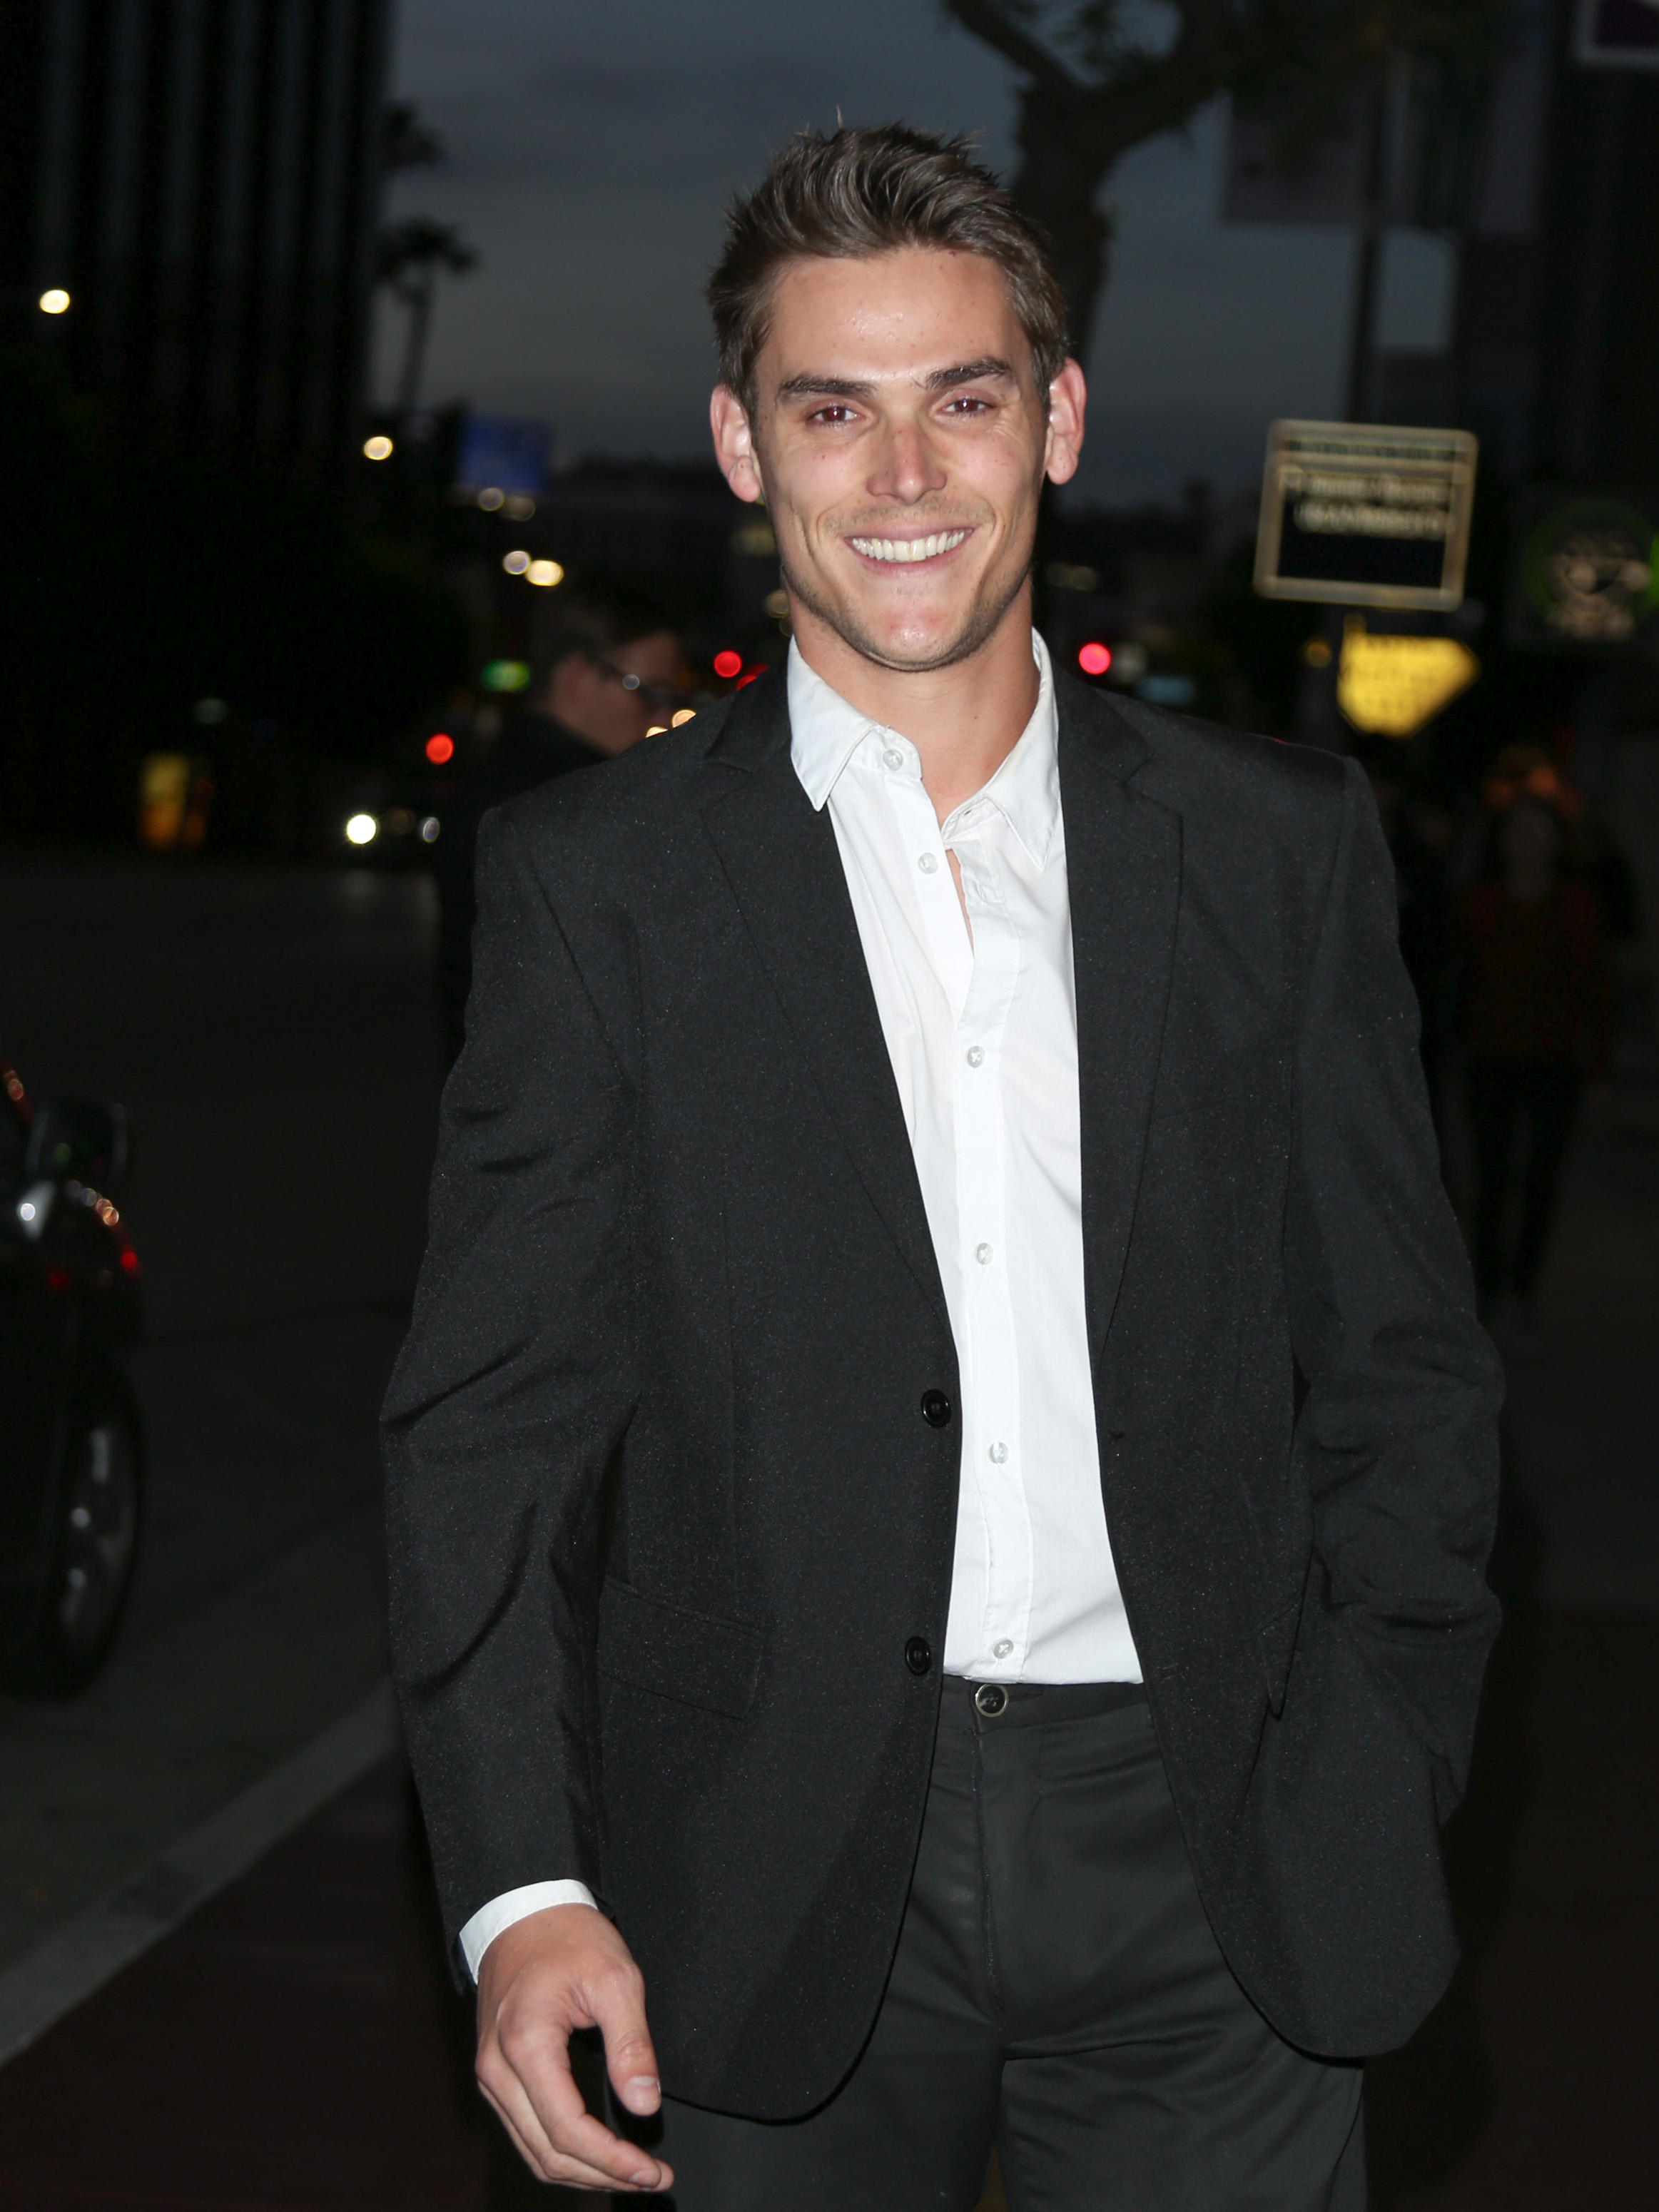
[[866, 191], [594, 617]]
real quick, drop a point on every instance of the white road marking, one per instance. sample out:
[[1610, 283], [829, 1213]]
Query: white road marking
[[65, 1968]]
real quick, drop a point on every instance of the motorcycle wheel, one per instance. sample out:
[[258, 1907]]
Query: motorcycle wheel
[[94, 1550]]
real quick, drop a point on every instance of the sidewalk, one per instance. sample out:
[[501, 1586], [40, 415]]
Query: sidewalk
[[1534, 2087], [293, 2045]]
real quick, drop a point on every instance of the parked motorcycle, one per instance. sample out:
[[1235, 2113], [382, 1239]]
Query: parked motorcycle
[[71, 1452]]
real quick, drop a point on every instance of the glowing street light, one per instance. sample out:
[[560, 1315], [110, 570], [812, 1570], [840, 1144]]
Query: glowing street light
[[515, 563], [545, 572], [54, 302], [362, 829], [377, 449]]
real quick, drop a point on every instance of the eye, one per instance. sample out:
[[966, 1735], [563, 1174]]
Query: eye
[[834, 412], [967, 402]]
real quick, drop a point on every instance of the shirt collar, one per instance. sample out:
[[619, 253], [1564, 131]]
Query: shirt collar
[[826, 732]]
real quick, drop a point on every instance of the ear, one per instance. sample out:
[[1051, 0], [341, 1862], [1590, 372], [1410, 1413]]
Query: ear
[[1068, 395], [734, 443]]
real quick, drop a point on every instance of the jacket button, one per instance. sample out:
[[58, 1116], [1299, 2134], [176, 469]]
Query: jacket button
[[918, 1654], [935, 1409]]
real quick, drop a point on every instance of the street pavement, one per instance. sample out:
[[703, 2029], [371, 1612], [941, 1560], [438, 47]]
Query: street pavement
[[294, 2042], [273, 1036]]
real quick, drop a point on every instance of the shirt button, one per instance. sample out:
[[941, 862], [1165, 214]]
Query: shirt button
[[998, 1454], [927, 864], [982, 1254], [975, 1055], [1001, 1650], [892, 758]]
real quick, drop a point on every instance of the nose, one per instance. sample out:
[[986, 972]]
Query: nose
[[907, 468]]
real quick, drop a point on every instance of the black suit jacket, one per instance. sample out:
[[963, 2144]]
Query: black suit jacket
[[532, 750], [664, 1510]]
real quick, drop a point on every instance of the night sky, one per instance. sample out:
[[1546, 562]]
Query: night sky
[[591, 148]]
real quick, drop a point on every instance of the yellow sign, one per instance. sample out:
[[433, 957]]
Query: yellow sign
[[174, 793], [1392, 685], [163, 789]]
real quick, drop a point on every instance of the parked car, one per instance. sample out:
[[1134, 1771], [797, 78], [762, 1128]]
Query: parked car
[[71, 1454]]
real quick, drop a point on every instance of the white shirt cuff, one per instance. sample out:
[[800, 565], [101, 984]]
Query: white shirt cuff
[[487, 1923]]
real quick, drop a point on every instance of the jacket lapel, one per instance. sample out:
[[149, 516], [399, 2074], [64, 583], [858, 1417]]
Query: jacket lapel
[[1123, 869], [782, 863]]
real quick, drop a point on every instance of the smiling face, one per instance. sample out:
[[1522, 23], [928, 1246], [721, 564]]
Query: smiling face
[[900, 442]]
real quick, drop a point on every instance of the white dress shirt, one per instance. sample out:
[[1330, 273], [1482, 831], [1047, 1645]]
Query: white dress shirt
[[980, 1019]]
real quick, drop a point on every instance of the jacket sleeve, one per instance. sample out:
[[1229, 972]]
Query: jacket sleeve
[[512, 1394], [1397, 1436]]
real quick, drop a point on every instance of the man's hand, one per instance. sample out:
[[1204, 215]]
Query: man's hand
[[539, 1980]]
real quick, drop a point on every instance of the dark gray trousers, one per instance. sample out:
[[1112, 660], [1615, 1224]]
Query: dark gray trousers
[[1057, 1992]]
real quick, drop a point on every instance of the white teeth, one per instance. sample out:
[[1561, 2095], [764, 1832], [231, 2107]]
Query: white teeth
[[909, 549]]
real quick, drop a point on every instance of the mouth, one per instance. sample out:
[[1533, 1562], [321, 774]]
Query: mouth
[[909, 552]]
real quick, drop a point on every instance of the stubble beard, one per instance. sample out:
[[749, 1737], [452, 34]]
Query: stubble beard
[[979, 625]]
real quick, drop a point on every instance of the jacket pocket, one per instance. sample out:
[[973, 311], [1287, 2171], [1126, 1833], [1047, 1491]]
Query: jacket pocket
[[694, 1658]]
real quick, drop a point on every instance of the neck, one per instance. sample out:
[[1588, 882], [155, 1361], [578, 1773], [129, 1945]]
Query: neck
[[963, 720]]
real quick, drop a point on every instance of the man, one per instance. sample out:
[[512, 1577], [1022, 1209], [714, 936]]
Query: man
[[944, 1464], [607, 665]]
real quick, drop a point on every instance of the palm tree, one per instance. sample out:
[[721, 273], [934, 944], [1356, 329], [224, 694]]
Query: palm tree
[[409, 142], [411, 255]]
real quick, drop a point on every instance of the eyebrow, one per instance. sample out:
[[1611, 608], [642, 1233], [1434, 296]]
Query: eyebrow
[[941, 380]]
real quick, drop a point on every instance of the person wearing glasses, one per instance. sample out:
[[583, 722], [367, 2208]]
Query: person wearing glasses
[[608, 666]]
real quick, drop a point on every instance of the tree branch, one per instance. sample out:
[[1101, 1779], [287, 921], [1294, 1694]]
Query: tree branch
[[985, 20], [1155, 93], [1073, 128]]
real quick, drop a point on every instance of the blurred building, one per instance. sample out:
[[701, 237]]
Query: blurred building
[[202, 178], [1557, 341], [674, 526]]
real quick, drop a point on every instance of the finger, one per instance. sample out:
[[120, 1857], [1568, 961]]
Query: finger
[[547, 2165], [617, 2005], [529, 2074]]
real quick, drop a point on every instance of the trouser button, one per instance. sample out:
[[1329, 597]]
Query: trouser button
[[991, 1698]]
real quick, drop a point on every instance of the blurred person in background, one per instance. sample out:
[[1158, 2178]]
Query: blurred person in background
[[607, 666], [1537, 1002]]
